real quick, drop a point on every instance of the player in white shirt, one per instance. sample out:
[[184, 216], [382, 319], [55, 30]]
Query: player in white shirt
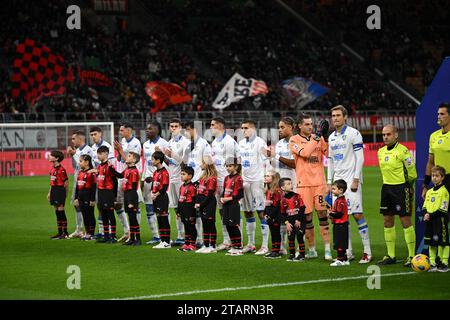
[[346, 160], [128, 143], [253, 169], [283, 162], [174, 157], [97, 142], [223, 147], [79, 142], [154, 143], [197, 152]]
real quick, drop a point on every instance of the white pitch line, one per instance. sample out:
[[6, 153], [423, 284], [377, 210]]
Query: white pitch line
[[269, 285]]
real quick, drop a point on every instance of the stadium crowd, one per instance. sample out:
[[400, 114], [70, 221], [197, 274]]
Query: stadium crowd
[[247, 37]]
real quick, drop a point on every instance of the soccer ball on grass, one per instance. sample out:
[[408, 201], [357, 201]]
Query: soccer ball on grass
[[420, 263]]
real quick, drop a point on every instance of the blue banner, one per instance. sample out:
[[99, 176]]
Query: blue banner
[[302, 91], [426, 123]]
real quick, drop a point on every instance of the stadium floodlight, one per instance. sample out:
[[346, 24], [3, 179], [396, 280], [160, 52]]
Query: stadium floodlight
[[25, 146]]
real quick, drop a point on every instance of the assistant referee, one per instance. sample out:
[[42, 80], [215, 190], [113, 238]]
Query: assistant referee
[[399, 172]]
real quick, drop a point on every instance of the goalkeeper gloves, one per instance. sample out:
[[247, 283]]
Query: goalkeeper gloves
[[324, 129]]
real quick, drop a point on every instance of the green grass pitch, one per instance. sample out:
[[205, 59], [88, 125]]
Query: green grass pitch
[[34, 267]]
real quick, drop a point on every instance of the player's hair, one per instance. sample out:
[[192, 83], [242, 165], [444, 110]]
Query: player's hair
[[96, 129], [127, 125], [445, 105], [135, 155], [175, 120], [189, 124], [87, 158], [249, 121], [189, 170], [235, 162], [282, 181], [220, 120], [302, 116], [58, 155], [341, 108], [103, 149], [156, 124], [439, 170], [210, 170], [275, 181], [80, 133], [341, 184], [158, 155], [289, 121]]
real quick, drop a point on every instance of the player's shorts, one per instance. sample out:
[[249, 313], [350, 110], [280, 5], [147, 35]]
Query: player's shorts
[[436, 230], [120, 196], [313, 197], [105, 199], [219, 194], [130, 197], [207, 212], [174, 194], [231, 213], [161, 205], [253, 196], [187, 212], [396, 200], [340, 236], [57, 195], [147, 193]]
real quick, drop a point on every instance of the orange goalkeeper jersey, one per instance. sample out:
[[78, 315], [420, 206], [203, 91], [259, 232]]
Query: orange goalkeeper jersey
[[308, 156]]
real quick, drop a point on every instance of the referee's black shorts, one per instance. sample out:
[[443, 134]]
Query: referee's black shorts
[[396, 200]]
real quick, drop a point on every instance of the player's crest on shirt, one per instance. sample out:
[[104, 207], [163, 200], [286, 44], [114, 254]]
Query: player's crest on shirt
[[386, 159], [432, 199], [440, 141], [344, 136]]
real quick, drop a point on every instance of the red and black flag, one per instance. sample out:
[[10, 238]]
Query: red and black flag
[[166, 94], [38, 72]]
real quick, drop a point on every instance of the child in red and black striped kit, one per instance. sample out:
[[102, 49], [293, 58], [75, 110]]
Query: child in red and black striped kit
[[292, 210], [339, 217], [272, 211], [130, 184], [160, 184], [186, 208], [233, 191], [206, 205], [85, 195], [59, 184], [107, 192]]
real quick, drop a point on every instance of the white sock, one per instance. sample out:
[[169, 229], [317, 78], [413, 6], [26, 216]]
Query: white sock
[[180, 229], [283, 236], [152, 222], [327, 247], [312, 249], [199, 227], [79, 220], [123, 221], [265, 235], [349, 250], [365, 240], [100, 225], [251, 228], [226, 236]]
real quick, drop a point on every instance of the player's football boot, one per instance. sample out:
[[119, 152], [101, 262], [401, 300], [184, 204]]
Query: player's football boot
[[408, 262], [136, 243], [339, 263], [56, 237], [365, 258], [155, 240], [433, 268], [283, 251], [249, 249], [112, 240], [178, 242], [98, 236], [102, 240], [311, 254], [162, 245], [64, 236], [291, 258], [124, 238], [234, 252], [198, 245], [328, 255], [129, 242], [223, 246], [262, 251], [273, 255], [350, 256], [202, 249], [76, 234], [386, 261], [442, 268], [299, 258]]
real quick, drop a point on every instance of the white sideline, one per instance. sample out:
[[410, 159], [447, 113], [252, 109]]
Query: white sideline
[[269, 285]]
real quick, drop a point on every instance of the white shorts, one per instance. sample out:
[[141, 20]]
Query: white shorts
[[72, 197], [174, 194], [354, 199], [253, 196], [120, 198]]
